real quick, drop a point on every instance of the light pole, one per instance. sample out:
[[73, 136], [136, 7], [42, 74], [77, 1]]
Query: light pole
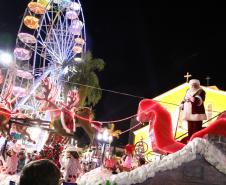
[[104, 138]]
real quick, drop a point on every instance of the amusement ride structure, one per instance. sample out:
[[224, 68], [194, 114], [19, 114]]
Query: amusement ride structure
[[50, 44]]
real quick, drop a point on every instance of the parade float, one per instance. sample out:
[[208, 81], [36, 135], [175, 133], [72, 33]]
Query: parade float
[[201, 161]]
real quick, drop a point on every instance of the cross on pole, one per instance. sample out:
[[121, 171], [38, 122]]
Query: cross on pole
[[207, 80], [187, 76]]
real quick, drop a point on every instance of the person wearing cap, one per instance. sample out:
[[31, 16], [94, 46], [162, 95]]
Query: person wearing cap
[[70, 164], [193, 107]]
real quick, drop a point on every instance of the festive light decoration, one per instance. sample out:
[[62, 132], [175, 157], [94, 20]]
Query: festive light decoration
[[78, 59], [104, 136], [52, 152], [5, 58]]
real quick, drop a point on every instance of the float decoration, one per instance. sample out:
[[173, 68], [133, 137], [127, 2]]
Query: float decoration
[[160, 127], [66, 116]]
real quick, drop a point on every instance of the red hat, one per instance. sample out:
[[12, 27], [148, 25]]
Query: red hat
[[129, 148]]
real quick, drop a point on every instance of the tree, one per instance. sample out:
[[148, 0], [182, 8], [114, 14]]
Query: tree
[[87, 81]]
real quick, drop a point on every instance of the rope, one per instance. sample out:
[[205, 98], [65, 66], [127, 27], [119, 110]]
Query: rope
[[122, 93], [102, 89], [131, 128]]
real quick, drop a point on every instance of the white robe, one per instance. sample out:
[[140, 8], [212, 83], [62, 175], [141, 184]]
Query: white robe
[[187, 113], [71, 169]]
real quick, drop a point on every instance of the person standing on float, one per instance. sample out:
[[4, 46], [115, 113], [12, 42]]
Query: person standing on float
[[193, 107]]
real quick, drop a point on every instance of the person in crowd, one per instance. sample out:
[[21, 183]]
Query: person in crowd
[[193, 107], [40, 172], [70, 165], [127, 159], [28, 158], [10, 165], [21, 161]]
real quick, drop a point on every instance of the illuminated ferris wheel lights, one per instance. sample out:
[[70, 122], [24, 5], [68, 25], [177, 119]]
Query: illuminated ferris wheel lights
[[78, 59], [50, 42], [70, 14], [76, 27], [75, 6], [65, 70], [6, 58]]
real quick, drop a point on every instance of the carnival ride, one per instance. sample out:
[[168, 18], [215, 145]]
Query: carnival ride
[[50, 44]]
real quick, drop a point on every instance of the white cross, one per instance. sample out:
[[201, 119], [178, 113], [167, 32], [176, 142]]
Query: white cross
[[187, 76]]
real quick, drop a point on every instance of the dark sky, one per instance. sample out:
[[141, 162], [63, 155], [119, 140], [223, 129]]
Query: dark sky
[[147, 48]]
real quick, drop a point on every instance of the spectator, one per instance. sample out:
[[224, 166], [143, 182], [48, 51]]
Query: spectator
[[70, 164], [21, 161], [10, 166], [40, 172]]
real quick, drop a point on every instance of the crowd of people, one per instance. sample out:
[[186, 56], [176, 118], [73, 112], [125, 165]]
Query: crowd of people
[[67, 169], [16, 160]]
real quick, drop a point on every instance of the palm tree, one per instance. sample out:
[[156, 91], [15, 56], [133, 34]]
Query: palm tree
[[87, 81]]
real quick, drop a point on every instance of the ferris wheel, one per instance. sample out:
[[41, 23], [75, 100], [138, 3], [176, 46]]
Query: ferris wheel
[[50, 43]]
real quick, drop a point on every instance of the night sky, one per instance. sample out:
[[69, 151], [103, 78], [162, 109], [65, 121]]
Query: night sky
[[147, 50]]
